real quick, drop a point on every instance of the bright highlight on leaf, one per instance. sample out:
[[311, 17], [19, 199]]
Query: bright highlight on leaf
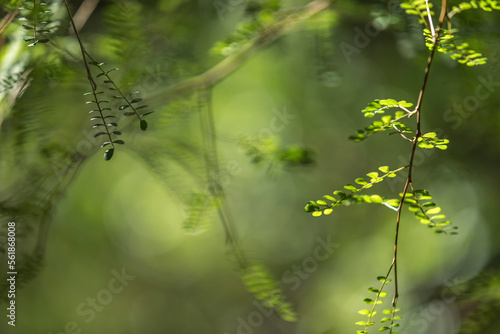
[[387, 122], [427, 212], [374, 302], [320, 207]]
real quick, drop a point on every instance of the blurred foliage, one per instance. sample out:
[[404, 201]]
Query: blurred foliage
[[80, 220]]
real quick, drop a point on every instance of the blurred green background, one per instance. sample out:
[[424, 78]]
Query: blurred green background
[[119, 216]]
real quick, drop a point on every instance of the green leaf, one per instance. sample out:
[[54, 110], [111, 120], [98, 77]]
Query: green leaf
[[340, 193], [265, 288], [414, 208], [433, 211], [350, 187], [384, 169], [311, 206], [145, 114], [393, 202], [143, 125], [383, 279], [376, 199], [109, 154], [361, 181]]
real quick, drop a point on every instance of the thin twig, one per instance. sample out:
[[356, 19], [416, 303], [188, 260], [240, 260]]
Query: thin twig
[[414, 149], [213, 171], [82, 48], [429, 17]]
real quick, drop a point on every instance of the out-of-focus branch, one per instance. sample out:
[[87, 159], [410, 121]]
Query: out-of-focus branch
[[231, 63], [83, 13], [6, 21]]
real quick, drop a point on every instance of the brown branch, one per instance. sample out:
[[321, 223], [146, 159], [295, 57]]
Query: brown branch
[[82, 48], [418, 134]]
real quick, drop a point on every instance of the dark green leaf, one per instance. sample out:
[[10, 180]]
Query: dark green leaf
[[150, 112], [311, 207], [340, 193], [109, 154], [361, 181]]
